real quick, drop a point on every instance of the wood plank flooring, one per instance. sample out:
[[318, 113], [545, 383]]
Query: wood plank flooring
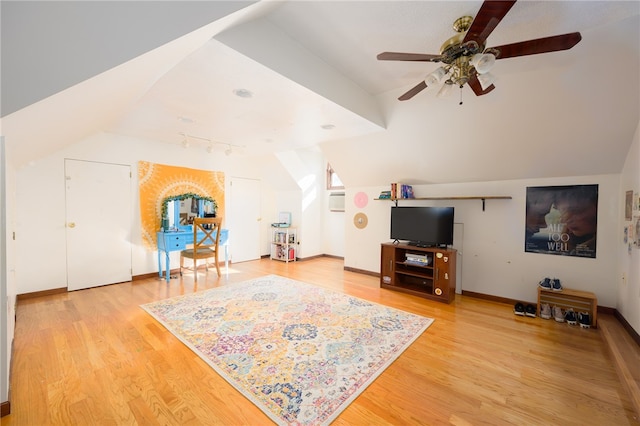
[[94, 357]]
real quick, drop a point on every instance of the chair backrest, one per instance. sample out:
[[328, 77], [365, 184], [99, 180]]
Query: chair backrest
[[206, 232]]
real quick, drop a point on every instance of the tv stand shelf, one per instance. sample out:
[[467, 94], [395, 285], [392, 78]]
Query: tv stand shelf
[[432, 277]]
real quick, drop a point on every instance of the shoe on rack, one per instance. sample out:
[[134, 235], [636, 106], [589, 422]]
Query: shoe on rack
[[584, 320], [518, 309], [530, 311], [545, 284], [555, 285], [545, 311], [558, 315], [570, 317]]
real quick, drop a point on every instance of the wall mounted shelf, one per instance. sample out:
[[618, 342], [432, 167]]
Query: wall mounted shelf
[[480, 197]]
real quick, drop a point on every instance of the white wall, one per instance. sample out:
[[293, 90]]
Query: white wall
[[492, 252], [333, 236], [41, 200], [6, 333], [628, 270]]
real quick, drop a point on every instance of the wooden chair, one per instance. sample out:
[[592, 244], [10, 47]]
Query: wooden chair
[[206, 238]]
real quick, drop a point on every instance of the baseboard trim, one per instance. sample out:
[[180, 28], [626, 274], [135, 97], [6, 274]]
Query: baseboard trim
[[361, 271], [5, 408], [25, 296], [492, 298], [622, 354], [144, 276], [625, 324]]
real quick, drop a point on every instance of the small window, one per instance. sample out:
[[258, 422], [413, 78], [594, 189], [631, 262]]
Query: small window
[[333, 181]]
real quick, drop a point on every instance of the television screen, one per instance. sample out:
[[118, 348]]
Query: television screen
[[422, 226]]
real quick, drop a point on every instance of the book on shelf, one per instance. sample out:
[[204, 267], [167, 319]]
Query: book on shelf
[[400, 190], [417, 259]]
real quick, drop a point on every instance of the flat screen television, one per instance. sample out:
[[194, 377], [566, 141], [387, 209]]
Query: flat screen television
[[422, 226]]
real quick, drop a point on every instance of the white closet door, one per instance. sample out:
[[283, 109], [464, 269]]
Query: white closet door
[[243, 219], [98, 228]]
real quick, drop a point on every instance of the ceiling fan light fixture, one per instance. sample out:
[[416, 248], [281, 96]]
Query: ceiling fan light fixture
[[483, 62], [486, 80], [446, 89], [435, 77]]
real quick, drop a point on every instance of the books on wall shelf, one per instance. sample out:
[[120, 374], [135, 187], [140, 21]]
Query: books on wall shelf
[[385, 195], [399, 190]]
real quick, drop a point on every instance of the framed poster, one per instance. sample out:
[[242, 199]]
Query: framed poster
[[628, 205], [562, 220]]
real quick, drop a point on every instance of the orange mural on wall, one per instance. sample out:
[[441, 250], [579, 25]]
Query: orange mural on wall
[[158, 181]]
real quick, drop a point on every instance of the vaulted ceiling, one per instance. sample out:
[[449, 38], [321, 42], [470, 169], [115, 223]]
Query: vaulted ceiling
[[163, 70]]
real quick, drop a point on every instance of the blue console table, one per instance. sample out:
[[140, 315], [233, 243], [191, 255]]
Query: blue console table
[[178, 240]]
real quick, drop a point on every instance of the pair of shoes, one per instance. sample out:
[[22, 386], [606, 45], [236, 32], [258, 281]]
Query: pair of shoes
[[584, 320], [530, 311], [550, 284], [558, 315], [545, 284], [545, 311], [518, 309], [570, 317]]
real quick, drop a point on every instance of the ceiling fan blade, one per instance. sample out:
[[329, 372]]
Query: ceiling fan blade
[[399, 56], [541, 45], [477, 87], [487, 19], [414, 91]]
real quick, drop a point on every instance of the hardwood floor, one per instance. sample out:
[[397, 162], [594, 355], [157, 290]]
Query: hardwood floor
[[95, 357]]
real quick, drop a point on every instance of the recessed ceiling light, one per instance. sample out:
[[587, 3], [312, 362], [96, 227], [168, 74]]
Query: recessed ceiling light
[[243, 93], [186, 120], [328, 126]]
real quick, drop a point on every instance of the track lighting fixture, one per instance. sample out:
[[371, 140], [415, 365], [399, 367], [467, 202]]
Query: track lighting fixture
[[211, 144]]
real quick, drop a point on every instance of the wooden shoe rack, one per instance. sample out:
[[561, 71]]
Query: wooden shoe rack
[[578, 300]]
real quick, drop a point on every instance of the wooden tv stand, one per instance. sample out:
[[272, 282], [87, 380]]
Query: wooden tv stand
[[402, 268]]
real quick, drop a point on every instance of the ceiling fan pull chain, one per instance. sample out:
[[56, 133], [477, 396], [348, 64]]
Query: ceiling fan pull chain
[[460, 96]]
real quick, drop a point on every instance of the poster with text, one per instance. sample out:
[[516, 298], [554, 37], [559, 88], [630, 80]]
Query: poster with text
[[562, 220]]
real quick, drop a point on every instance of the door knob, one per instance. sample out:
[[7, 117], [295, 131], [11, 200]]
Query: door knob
[[71, 225]]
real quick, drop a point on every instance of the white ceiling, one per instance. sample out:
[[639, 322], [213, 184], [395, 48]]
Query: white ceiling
[[313, 63]]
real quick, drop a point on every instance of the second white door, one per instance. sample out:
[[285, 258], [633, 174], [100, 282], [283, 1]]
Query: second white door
[[243, 219]]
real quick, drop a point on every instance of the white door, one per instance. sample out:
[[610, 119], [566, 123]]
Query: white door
[[98, 229], [243, 219]]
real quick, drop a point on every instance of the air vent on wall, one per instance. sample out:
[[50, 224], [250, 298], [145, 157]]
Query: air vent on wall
[[336, 202]]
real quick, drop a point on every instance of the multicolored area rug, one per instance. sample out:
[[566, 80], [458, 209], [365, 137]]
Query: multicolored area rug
[[301, 353]]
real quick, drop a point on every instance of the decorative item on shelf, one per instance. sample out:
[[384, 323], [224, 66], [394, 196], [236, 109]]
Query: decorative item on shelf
[[284, 220]]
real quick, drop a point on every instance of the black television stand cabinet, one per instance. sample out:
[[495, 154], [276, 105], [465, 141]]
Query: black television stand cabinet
[[428, 272]]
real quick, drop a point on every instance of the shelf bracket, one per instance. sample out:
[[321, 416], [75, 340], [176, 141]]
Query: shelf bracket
[[483, 200]]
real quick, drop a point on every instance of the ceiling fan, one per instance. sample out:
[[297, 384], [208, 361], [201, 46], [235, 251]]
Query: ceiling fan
[[465, 58]]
